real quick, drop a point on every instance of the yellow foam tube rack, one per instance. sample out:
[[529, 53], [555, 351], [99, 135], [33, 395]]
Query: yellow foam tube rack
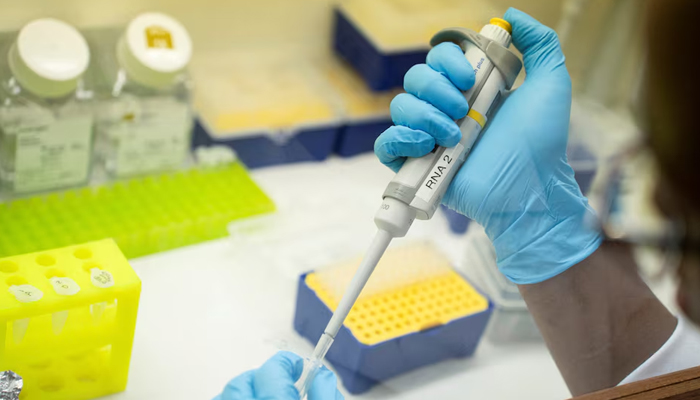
[[413, 290], [67, 320]]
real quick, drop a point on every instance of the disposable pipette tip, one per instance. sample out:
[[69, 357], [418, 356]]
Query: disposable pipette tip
[[311, 367]]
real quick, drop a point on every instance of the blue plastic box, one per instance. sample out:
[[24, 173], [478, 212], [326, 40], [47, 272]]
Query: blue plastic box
[[584, 163], [383, 39], [267, 103], [381, 70], [361, 366], [266, 149], [458, 223], [364, 113], [357, 137]]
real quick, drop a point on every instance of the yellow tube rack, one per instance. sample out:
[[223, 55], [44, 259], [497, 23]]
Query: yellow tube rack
[[67, 320]]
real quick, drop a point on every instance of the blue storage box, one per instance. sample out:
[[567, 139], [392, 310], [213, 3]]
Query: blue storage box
[[357, 137], [360, 365], [383, 39], [265, 149], [584, 163], [458, 223], [381, 71], [365, 113], [270, 105]]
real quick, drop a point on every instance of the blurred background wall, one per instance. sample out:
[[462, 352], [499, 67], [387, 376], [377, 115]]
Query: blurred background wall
[[603, 50]]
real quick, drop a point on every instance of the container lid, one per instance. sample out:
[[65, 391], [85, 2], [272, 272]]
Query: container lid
[[498, 30], [155, 49], [48, 57]]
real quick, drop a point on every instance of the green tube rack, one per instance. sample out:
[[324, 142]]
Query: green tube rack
[[143, 215]]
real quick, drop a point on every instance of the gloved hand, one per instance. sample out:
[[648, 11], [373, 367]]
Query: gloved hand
[[275, 381], [517, 182]]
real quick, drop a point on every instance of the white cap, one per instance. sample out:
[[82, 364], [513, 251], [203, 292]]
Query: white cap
[[154, 50], [48, 57], [498, 30]]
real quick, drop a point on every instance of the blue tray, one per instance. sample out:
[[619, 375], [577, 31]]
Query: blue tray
[[458, 222], [358, 137], [381, 71], [361, 366], [263, 150]]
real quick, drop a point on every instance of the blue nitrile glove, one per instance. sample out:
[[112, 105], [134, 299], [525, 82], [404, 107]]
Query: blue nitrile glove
[[517, 182], [275, 381]]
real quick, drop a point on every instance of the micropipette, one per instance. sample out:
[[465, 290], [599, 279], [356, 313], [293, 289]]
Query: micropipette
[[417, 189]]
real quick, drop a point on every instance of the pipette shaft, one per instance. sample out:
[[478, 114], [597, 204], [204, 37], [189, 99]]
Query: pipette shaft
[[359, 280], [352, 292]]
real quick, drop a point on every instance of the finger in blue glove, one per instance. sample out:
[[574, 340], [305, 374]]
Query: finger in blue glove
[[425, 115], [325, 386], [275, 380]]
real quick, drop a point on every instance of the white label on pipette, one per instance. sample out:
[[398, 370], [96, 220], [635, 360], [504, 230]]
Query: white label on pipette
[[101, 278], [26, 293], [64, 286], [441, 169]]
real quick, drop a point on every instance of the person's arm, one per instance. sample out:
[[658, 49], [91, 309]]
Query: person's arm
[[599, 319]]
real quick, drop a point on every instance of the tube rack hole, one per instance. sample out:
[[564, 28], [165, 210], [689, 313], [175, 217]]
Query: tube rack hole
[[45, 260], [8, 267], [16, 280], [82, 253]]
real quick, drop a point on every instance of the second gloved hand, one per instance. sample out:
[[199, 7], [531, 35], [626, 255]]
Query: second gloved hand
[[517, 182], [275, 380]]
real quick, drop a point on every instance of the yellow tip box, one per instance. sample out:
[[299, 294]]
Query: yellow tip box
[[67, 320]]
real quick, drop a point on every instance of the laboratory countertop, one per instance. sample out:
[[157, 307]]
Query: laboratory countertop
[[211, 311]]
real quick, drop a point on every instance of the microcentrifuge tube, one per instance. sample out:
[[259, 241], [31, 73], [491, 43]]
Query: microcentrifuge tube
[[19, 329], [58, 321]]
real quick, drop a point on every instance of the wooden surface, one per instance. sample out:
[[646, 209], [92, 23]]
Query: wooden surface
[[682, 385]]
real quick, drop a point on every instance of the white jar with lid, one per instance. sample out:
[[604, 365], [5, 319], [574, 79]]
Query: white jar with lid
[[145, 118], [46, 123]]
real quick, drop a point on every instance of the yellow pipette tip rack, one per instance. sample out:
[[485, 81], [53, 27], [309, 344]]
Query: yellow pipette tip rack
[[413, 308], [67, 320], [427, 294]]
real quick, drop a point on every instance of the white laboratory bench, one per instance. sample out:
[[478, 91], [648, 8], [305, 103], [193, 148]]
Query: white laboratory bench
[[211, 311]]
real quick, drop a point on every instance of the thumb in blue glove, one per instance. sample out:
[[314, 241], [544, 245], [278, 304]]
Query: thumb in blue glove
[[517, 182], [275, 380]]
